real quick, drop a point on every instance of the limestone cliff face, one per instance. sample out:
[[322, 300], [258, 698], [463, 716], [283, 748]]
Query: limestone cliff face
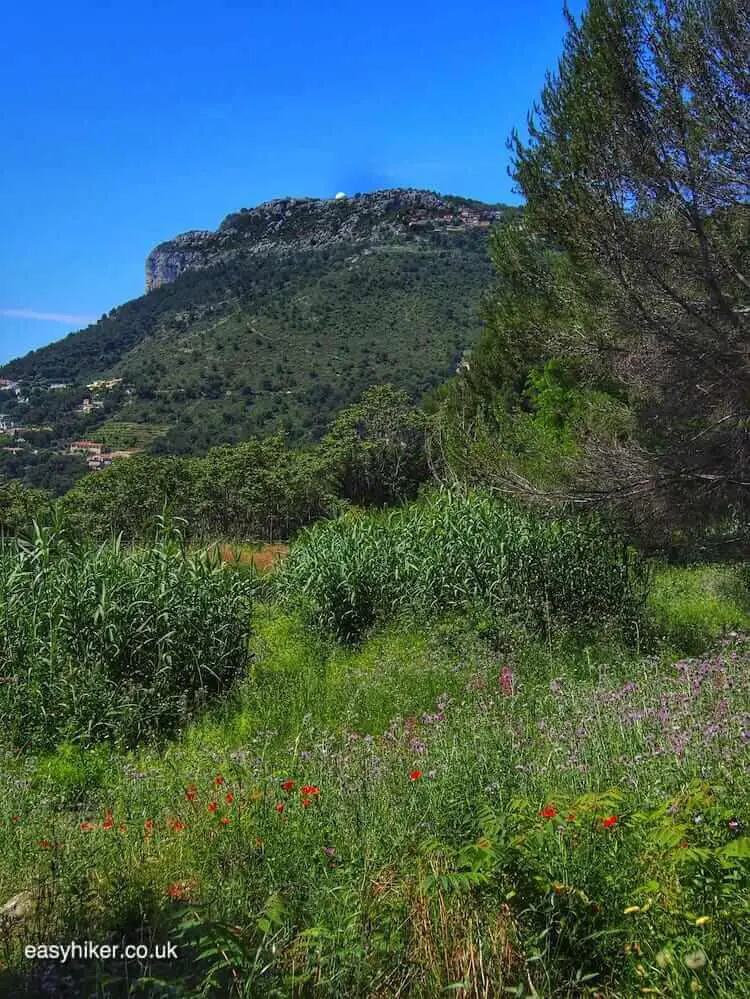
[[169, 260], [292, 224]]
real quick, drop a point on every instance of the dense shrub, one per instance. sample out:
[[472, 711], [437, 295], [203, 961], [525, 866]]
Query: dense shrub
[[19, 505], [469, 552], [105, 644], [257, 489]]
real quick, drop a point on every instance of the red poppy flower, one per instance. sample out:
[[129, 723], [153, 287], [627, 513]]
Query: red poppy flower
[[108, 823], [306, 802], [548, 812], [180, 890], [218, 780], [415, 775], [279, 806], [225, 820], [288, 785], [15, 818], [192, 793], [87, 826], [610, 821], [44, 844], [212, 806], [148, 825], [310, 789], [229, 798], [571, 817], [176, 825]]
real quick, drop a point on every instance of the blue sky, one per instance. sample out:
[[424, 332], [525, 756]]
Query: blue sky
[[124, 124]]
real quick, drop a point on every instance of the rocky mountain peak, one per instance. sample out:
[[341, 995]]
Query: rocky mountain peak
[[290, 224]]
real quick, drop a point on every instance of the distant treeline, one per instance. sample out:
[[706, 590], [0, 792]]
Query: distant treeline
[[263, 489]]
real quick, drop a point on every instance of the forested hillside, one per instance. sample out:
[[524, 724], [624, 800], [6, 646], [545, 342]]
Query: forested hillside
[[277, 337]]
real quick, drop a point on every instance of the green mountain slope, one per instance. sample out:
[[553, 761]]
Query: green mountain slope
[[244, 331]]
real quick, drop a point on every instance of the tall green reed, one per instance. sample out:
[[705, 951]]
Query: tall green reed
[[471, 552], [113, 644]]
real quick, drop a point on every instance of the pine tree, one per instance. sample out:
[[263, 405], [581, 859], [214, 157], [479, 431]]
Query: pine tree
[[637, 179]]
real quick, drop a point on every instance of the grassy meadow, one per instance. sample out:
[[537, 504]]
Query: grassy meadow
[[456, 749]]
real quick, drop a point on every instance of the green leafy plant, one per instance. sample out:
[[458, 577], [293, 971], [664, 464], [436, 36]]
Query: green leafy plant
[[454, 552], [109, 644]]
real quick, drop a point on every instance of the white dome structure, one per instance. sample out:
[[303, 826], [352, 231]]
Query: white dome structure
[[340, 195]]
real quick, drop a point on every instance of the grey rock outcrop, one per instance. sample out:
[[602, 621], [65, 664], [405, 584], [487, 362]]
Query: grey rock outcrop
[[291, 224], [169, 260]]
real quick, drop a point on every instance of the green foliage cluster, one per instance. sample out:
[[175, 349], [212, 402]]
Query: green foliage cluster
[[378, 448], [20, 505], [53, 472], [455, 553], [535, 445], [99, 644], [262, 489], [626, 269]]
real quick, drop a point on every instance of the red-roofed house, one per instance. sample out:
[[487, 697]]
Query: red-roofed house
[[87, 447]]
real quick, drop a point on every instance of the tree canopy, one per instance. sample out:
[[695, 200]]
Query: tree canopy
[[631, 259]]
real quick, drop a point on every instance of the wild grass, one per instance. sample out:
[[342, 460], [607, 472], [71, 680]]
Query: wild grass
[[458, 836], [109, 644], [691, 605], [463, 553], [529, 807]]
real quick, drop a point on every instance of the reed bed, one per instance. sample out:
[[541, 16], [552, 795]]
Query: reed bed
[[464, 553], [112, 644]]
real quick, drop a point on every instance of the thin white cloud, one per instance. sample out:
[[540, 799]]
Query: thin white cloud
[[48, 317]]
